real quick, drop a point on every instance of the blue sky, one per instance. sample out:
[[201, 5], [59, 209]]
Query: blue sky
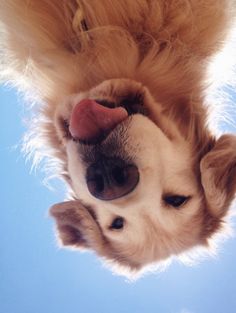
[[37, 277]]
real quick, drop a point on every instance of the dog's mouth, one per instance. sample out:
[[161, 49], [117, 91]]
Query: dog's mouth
[[133, 104], [91, 120]]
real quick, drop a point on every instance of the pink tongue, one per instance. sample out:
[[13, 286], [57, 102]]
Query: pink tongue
[[90, 119]]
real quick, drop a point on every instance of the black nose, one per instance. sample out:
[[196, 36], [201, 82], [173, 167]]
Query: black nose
[[111, 178]]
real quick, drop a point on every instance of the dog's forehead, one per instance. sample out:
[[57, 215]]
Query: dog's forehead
[[148, 237]]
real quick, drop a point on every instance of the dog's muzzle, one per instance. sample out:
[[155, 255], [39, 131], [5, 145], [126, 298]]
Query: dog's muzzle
[[107, 177]]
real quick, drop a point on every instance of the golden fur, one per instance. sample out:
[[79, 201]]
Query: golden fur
[[54, 50]]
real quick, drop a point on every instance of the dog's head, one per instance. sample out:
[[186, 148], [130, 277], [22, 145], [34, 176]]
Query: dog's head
[[148, 182]]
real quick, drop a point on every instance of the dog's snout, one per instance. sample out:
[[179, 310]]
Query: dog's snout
[[111, 178]]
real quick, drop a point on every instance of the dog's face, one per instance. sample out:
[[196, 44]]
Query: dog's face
[[141, 193]]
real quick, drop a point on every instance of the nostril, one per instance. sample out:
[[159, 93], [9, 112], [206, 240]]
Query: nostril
[[111, 178], [118, 175], [96, 185], [99, 183]]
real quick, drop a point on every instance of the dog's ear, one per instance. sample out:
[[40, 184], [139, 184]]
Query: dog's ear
[[218, 175], [77, 226]]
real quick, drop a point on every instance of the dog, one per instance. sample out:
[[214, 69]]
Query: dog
[[121, 87]]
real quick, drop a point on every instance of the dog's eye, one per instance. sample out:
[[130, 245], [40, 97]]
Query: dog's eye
[[118, 223], [175, 201]]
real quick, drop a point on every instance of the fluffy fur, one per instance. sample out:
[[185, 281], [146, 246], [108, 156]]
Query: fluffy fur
[[62, 52]]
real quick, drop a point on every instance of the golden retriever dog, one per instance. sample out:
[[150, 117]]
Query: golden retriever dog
[[123, 118]]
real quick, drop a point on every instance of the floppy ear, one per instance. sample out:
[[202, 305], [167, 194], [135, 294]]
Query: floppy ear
[[218, 175], [77, 226]]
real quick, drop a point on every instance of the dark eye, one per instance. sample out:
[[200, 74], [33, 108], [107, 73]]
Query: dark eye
[[118, 223], [175, 201]]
